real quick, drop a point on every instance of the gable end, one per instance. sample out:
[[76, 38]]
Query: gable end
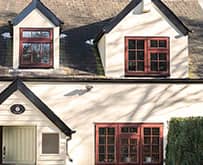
[[17, 84]]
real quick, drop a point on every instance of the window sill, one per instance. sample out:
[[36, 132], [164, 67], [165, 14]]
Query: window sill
[[147, 75]]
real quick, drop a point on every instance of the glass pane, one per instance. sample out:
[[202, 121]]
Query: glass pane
[[132, 66], [131, 55], [110, 140], [155, 140], [111, 131], [140, 55], [45, 34], [110, 149], [140, 44], [155, 131], [110, 158], [124, 129], [101, 157], [36, 53], [133, 149], [102, 140], [147, 149], [36, 34], [154, 66], [102, 131], [162, 44], [26, 34], [131, 44], [125, 158], [154, 43], [163, 66], [140, 66], [133, 158], [162, 56], [147, 140], [124, 141], [102, 149], [147, 131], [27, 53], [45, 59], [155, 149], [133, 141], [50, 143], [124, 150], [154, 56], [155, 158], [133, 130], [147, 158]]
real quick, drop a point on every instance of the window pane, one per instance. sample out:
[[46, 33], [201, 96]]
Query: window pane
[[133, 141], [147, 131], [26, 34], [27, 53], [45, 54], [40, 34], [133, 130], [154, 56], [102, 149], [102, 131], [163, 66], [147, 149], [140, 44], [110, 158], [132, 66], [155, 131], [45, 34], [102, 140], [155, 149], [50, 143], [124, 129], [140, 66], [154, 66], [131, 55], [155, 140], [110, 149], [36, 53], [155, 158], [131, 44], [101, 157], [140, 55], [124, 141], [162, 44], [133, 149], [111, 140], [147, 140], [153, 43], [111, 131], [162, 56]]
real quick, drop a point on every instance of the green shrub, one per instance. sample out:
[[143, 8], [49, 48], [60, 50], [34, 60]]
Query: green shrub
[[185, 141]]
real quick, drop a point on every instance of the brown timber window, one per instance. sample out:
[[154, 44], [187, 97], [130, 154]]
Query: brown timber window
[[147, 56], [126, 144], [36, 48]]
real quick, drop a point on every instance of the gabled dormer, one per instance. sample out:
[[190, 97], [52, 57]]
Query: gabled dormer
[[36, 37], [145, 39]]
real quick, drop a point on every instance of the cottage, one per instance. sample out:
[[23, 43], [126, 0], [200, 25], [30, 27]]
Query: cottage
[[96, 82]]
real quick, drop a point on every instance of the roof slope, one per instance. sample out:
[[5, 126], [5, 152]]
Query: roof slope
[[83, 20], [17, 84]]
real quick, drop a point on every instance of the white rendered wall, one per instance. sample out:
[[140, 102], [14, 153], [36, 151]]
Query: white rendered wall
[[153, 103], [33, 117], [35, 20], [137, 23]]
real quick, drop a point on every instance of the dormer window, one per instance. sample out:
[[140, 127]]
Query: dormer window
[[147, 56], [36, 48]]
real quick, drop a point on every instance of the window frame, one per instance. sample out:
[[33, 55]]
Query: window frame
[[140, 142], [36, 40], [147, 49]]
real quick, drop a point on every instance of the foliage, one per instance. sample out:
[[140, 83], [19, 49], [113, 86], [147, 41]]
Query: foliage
[[185, 141]]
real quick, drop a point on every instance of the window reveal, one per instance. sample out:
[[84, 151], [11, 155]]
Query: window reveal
[[129, 143], [147, 56], [36, 48]]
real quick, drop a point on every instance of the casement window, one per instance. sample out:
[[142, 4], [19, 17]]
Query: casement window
[[50, 143], [36, 48], [147, 56], [126, 144]]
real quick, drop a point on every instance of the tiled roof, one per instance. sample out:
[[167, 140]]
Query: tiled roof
[[83, 20]]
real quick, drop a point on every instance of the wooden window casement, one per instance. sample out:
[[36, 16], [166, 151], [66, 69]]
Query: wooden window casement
[[124, 144], [147, 56], [36, 48]]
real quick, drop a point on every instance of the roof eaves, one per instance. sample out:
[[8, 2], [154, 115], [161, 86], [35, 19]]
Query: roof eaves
[[172, 17], [17, 84]]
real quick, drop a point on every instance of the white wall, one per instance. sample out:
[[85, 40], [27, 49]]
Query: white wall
[[35, 20], [33, 117], [137, 23], [154, 103]]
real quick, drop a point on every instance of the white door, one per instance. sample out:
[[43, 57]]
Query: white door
[[19, 145]]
